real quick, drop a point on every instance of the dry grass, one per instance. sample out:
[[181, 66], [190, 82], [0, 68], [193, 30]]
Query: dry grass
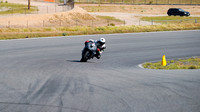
[[171, 19], [14, 33], [189, 63], [15, 8]]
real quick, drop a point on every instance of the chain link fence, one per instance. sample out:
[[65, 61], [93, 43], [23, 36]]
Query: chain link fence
[[58, 23], [89, 23], [39, 10], [147, 2]]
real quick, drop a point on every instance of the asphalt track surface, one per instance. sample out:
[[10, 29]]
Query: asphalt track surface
[[45, 75]]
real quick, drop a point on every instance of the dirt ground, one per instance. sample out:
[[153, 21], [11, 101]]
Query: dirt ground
[[48, 17], [139, 9], [129, 18], [54, 15], [132, 13], [47, 20]]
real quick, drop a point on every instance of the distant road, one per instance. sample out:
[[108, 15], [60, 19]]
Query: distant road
[[45, 75]]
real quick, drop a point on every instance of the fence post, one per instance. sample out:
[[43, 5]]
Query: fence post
[[47, 10], [195, 20], [27, 23], [108, 22], [139, 21], [55, 8], [12, 11], [8, 24], [152, 22]]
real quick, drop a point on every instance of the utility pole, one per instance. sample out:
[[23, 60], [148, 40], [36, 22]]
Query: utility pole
[[71, 3], [65, 2], [29, 4]]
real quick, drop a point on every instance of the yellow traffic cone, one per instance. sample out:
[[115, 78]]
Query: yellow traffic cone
[[164, 63]]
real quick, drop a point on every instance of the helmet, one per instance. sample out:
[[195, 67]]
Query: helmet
[[102, 40]]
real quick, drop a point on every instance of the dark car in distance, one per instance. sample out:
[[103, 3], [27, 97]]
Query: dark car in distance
[[177, 11]]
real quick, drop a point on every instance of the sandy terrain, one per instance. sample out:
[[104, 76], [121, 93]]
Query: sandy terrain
[[49, 14], [139, 9], [55, 15], [129, 18], [42, 20], [50, 18], [132, 13]]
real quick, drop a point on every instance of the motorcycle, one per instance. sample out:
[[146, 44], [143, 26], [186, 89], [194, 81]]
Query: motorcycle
[[89, 51]]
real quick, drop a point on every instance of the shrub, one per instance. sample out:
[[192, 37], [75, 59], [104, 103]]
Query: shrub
[[64, 34], [171, 61], [192, 67], [150, 2], [100, 29], [47, 29], [111, 24]]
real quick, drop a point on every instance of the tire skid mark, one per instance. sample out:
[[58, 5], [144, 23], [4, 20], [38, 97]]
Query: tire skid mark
[[41, 105], [119, 99]]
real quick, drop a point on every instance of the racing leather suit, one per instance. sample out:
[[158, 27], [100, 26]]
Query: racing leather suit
[[100, 47]]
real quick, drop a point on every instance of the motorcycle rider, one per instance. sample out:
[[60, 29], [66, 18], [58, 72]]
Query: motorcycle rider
[[100, 46]]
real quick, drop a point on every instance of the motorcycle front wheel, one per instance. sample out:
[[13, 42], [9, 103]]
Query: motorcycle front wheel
[[85, 56]]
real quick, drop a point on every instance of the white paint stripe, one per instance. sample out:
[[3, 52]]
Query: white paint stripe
[[140, 65]]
